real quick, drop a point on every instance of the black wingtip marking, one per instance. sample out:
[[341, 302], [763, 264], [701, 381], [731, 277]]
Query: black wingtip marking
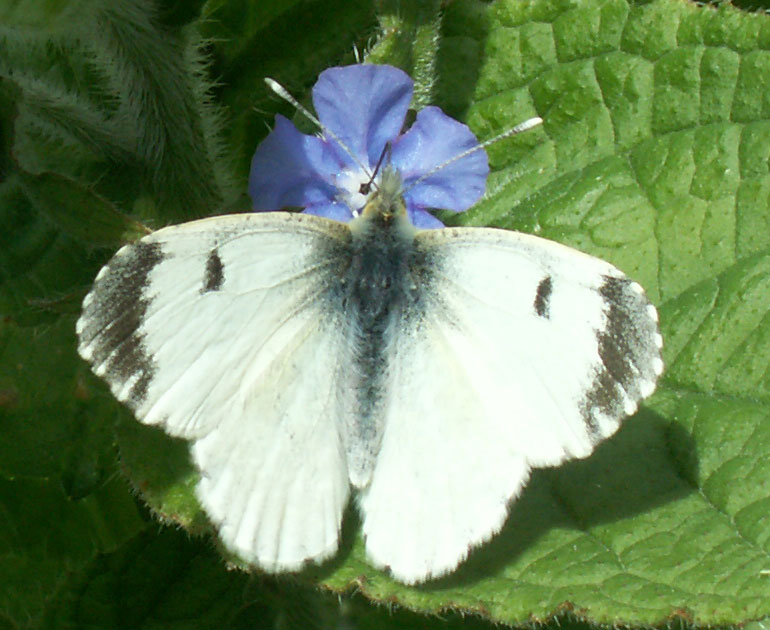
[[543, 297], [114, 318], [214, 275], [628, 352], [603, 399]]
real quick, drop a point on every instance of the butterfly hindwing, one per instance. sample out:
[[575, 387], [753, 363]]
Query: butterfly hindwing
[[213, 330], [526, 353]]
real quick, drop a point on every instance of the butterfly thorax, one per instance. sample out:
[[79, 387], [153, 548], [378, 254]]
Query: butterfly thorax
[[381, 251], [387, 199], [379, 288]]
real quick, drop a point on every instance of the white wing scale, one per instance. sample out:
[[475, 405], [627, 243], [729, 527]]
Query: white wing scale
[[527, 353], [212, 330]]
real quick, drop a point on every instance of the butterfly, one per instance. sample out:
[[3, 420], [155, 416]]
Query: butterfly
[[425, 371]]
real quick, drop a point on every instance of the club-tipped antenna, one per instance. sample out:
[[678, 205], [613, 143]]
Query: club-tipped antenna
[[520, 128], [284, 94]]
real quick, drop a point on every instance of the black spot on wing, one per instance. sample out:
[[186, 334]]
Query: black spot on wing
[[214, 275], [543, 297], [628, 350], [112, 319]]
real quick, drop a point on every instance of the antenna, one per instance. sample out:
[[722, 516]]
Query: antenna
[[520, 128], [284, 94]]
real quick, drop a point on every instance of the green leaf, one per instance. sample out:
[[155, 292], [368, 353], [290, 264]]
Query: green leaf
[[115, 97], [157, 75], [166, 580], [37, 13], [410, 39], [49, 425], [291, 42], [43, 271], [80, 213], [160, 468], [46, 536]]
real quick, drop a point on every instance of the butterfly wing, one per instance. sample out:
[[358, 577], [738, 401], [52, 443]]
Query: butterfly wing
[[525, 353], [215, 331]]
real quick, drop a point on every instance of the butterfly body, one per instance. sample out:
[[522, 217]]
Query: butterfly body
[[379, 290]]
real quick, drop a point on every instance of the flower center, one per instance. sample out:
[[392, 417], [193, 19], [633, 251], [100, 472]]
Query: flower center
[[350, 184]]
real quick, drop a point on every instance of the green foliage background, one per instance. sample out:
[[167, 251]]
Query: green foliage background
[[121, 114]]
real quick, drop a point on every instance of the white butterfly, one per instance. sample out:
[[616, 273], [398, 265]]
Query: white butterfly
[[429, 370]]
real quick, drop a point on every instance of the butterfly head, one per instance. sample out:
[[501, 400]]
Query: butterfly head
[[385, 205], [387, 195]]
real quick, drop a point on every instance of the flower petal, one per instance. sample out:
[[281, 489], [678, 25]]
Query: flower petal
[[291, 169], [434, 139], [364, 105], [333, 210], [422, 219]]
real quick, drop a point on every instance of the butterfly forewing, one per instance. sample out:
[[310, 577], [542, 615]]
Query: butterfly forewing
[[526, 354], [215, 330]]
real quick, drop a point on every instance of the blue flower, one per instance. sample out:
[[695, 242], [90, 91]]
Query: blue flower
[[365, 106]]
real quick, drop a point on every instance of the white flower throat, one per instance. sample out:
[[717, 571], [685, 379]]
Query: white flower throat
[[350, 184]]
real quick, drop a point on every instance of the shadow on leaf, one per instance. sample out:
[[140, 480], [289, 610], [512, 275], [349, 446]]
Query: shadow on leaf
[[627, 475]]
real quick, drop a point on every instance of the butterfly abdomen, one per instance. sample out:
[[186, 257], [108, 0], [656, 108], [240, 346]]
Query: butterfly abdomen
[[378, 291]]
